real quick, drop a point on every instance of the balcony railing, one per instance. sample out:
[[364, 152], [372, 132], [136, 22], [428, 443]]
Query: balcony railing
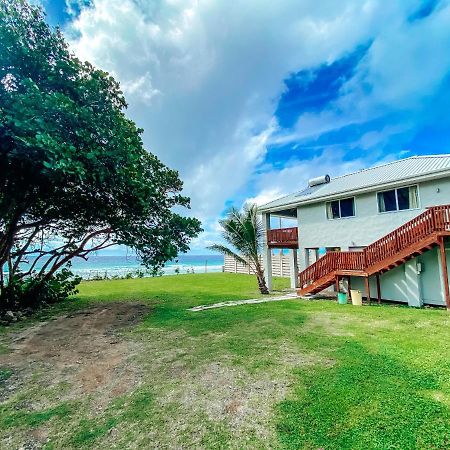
[[283, 238]]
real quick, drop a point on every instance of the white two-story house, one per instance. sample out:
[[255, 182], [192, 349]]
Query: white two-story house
[[384, 230]]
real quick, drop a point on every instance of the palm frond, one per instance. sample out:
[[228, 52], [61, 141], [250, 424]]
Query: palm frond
[[244, 231]]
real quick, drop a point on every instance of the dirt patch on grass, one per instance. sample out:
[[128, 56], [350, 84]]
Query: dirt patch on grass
[[334, 324], [230, 393], [84, 350], [231, 399], [221, 395], [292, 358], [204, 392]]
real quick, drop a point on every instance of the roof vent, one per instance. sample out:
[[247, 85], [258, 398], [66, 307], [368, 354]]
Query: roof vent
[[324, 179]]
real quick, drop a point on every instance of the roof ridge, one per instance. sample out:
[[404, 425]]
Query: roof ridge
[[442, 155], [362, 177], [371, 168]]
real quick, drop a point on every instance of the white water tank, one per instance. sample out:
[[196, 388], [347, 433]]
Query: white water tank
[[323, 179]]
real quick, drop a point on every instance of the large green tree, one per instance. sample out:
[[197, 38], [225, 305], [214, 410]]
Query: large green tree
[[74, 171]]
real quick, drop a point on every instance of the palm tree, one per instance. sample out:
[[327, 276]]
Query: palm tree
[[244, 231]]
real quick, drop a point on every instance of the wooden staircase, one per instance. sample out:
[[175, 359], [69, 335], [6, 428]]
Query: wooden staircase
[[408, 241]]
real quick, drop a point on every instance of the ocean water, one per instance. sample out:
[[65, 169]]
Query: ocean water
[[107, 266]]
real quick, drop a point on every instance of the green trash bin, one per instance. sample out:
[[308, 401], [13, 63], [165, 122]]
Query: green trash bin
[[342, 298]]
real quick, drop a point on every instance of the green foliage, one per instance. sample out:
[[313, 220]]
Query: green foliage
[[33, 291], [4, 375], [74, 169], [244, 231], [90, 430]]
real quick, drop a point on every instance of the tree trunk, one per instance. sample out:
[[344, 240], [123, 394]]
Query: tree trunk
[[261, 280], [7, 239]]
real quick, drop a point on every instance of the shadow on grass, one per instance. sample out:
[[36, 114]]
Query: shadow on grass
[[365, 401]]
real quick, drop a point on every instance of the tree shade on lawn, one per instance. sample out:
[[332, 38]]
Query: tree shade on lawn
[[75, 177], [295, 374]]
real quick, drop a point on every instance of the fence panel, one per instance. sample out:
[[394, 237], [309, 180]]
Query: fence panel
[[280, 266]]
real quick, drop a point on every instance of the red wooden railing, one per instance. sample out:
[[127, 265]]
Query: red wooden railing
[[331, 262], [283, 237], [434, 220]]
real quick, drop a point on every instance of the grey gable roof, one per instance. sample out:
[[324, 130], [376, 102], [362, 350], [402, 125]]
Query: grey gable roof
[[402, 170]]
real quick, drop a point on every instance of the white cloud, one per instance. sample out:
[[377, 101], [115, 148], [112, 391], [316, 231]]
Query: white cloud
[[400, 75], [142, 87], [294, 177], [203, 79], [407, 62]]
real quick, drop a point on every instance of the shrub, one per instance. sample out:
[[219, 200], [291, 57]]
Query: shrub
[[34, 291]]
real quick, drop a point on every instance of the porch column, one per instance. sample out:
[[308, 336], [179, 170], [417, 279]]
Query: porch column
[[415, 298], [444, 272], [378, 288], [293, 266], [367, 283], [267, 253], [303, 261]]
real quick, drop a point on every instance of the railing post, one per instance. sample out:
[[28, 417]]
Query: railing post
[[440, 226], [433, 220]]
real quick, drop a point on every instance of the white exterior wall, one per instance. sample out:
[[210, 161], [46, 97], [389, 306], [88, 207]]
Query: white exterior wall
[[401, 284], [404, 284], [368, 225]]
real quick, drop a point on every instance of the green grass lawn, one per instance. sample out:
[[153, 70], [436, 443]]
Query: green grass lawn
[[294, 374]]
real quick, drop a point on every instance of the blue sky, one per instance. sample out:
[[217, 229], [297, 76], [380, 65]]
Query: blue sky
[[248, 100]]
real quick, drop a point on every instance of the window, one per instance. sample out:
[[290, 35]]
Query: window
[[398, 199], [341, 208]]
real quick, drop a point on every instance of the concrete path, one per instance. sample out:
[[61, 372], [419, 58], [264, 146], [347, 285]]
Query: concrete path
[[244, 302]]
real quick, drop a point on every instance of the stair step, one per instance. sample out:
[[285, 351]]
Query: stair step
[[380, 267]]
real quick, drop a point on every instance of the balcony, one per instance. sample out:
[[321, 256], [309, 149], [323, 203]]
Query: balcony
[[283, 238]]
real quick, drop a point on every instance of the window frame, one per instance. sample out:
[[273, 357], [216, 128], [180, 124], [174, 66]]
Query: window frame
[[339, 200], [395, 189]]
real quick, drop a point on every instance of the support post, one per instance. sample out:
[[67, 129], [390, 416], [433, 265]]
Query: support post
[[303, 258], [413, 283], [337, 283], [349, 287], [444, 272], [293, 268], [267, 253], [378, 288], [367, 289]]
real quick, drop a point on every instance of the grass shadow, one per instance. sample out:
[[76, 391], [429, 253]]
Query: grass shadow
[[366, 400]]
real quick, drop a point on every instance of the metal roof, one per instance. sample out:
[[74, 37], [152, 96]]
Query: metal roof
[[411, 169]]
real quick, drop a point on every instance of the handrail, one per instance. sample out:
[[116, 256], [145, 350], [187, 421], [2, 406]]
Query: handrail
[[279, 236], [433, 220]]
